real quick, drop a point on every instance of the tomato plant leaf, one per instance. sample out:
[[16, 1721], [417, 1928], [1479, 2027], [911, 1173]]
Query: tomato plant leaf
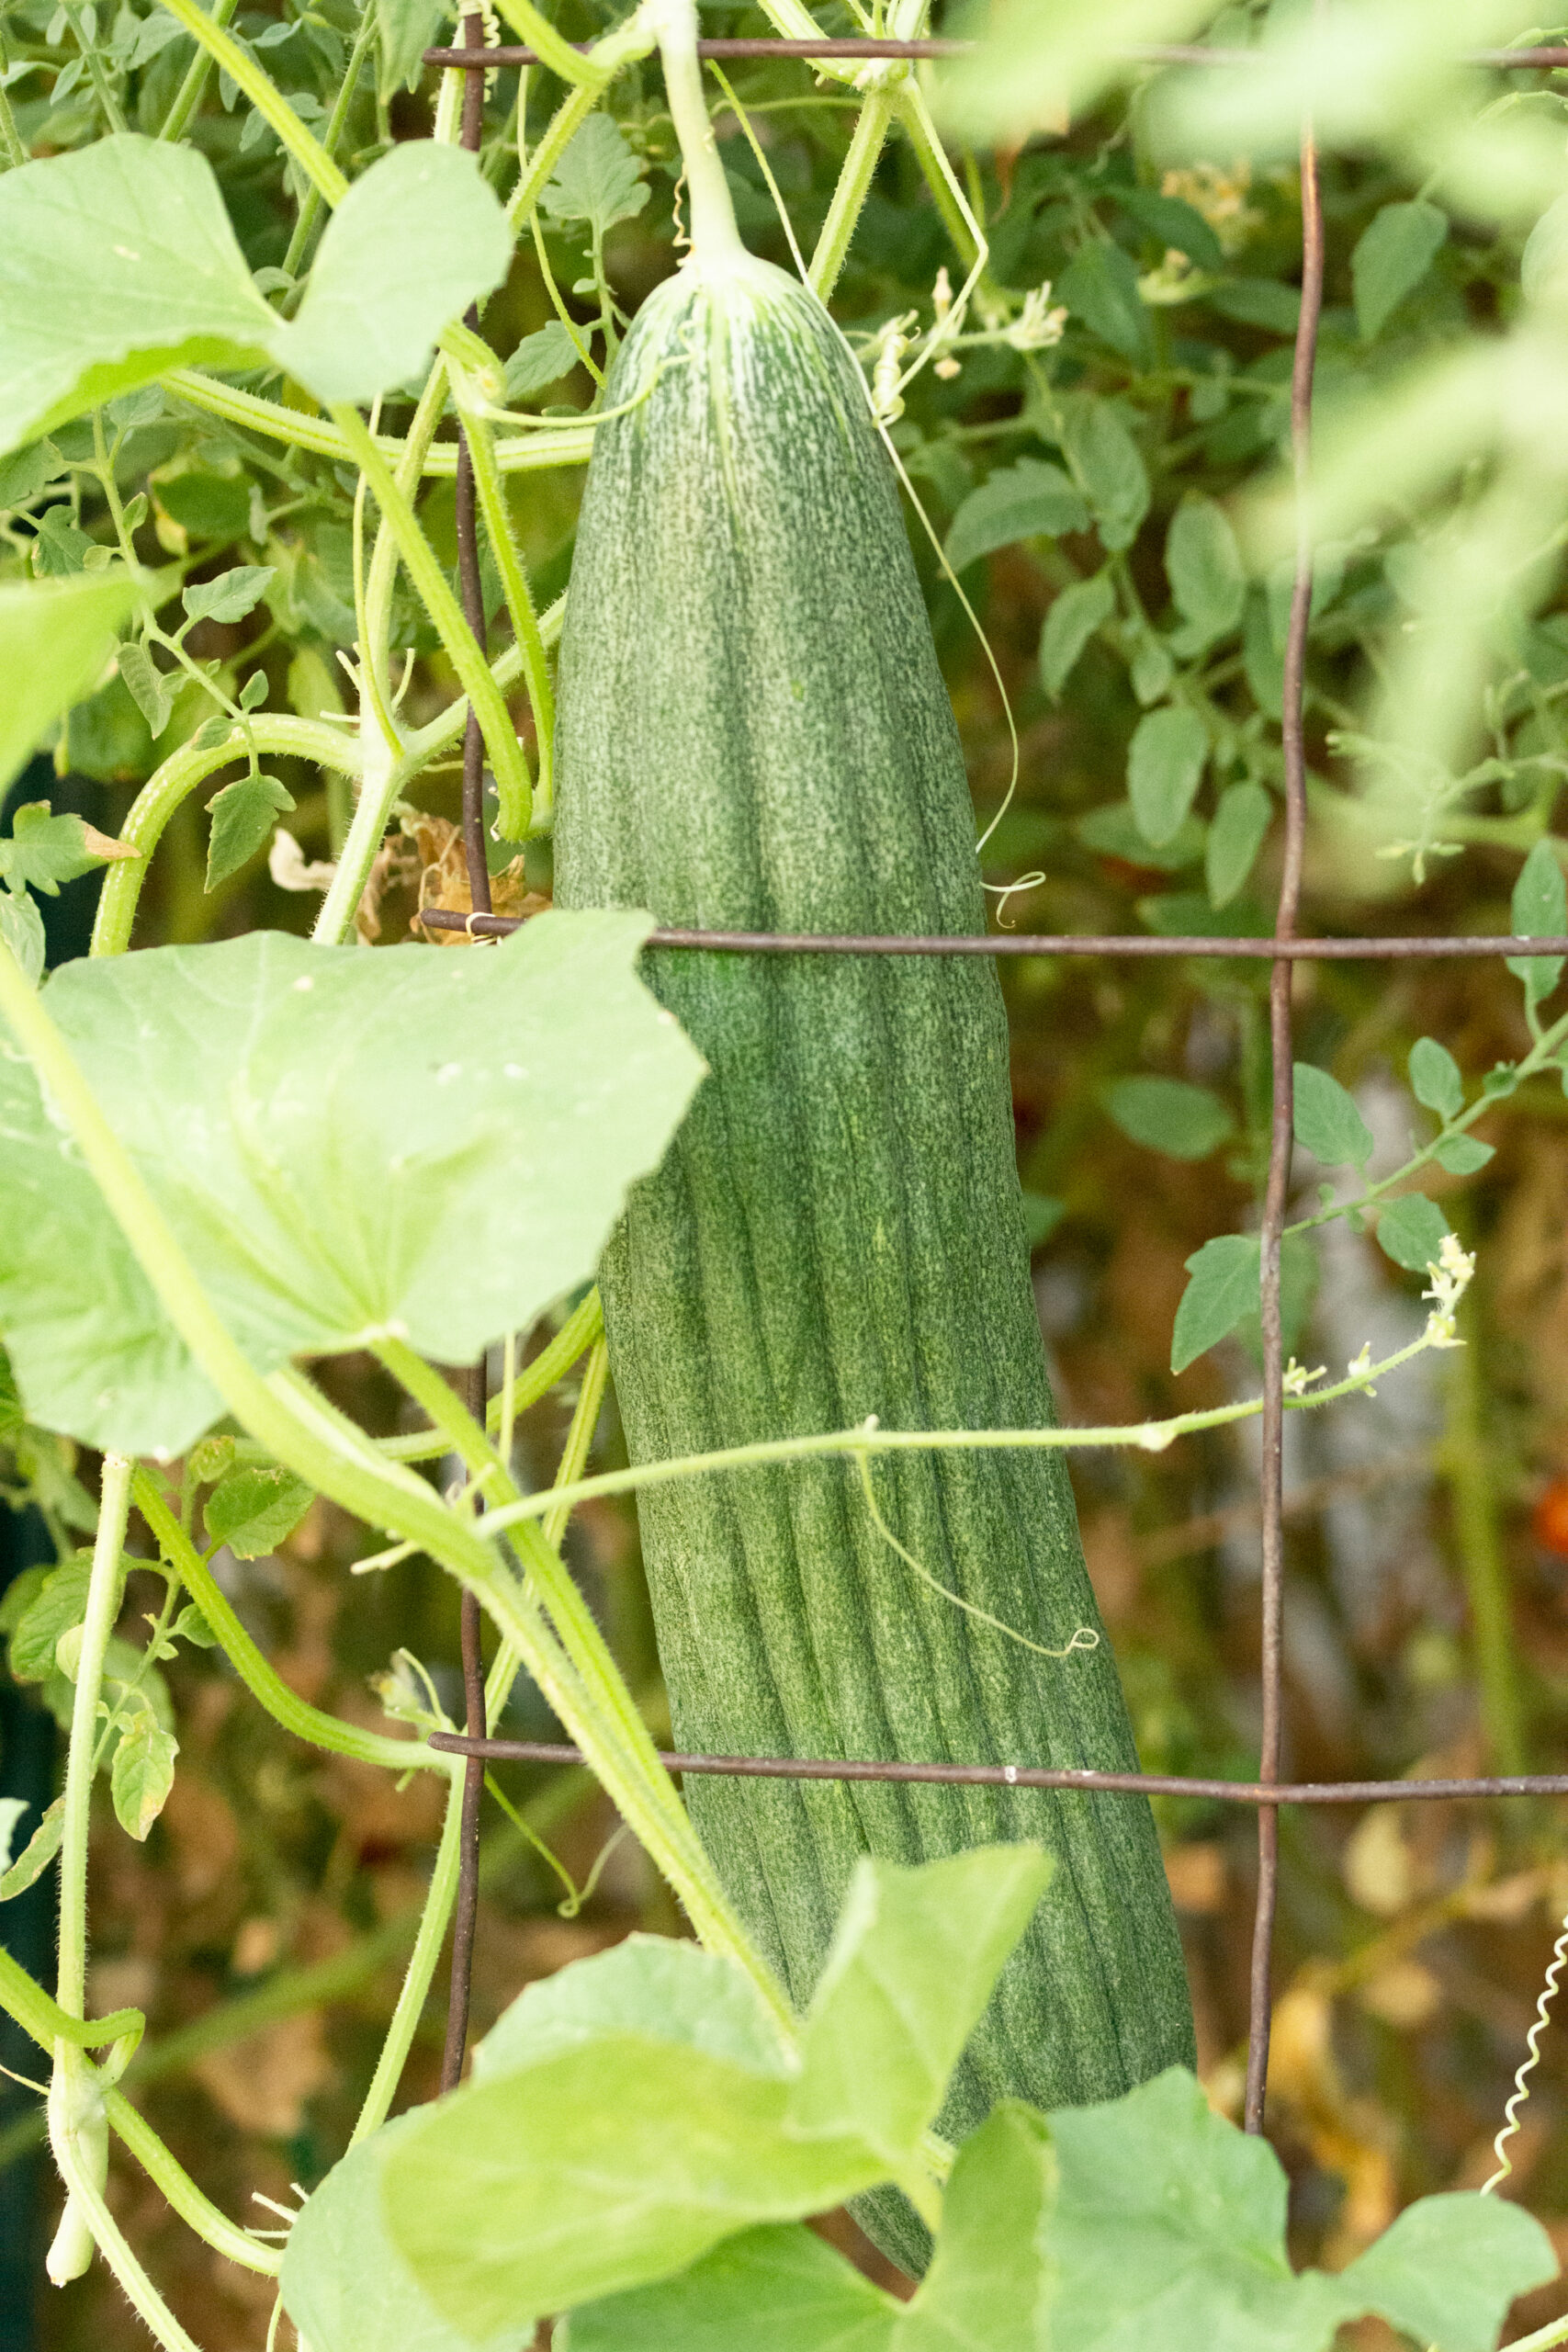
[[37, 1854], [143, 1773], [1030, 500], [1223, 1288], [340, 1142], [61, 1602], [539, 360], [231, 596], [912, 1965], [1540, 912], [1165, 767], [404, 30], [22, 927], [1100, 287], [55, 637], [1169, 1116], [255, 1510], [1392, 257], [1074, 616], [1326, 1121], [243, 815], [1105, 463], [45, 850], [1435, 1079], [598, 181], [1411, 1231], [1238, 831]]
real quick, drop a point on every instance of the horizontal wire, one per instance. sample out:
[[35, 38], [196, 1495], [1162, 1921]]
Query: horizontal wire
[[1549, 59], [1043, 943], [1028, 1776]]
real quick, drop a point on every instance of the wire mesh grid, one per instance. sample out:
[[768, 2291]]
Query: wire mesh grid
[[1281, 950]]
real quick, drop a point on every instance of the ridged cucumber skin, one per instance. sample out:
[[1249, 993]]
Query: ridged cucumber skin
[[753, 733]]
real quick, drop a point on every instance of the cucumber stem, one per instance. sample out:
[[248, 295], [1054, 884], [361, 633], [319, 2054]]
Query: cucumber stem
[[715, 237]]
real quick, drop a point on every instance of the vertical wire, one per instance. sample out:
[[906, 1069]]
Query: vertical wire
[[467, 1905], [1278, 1189]]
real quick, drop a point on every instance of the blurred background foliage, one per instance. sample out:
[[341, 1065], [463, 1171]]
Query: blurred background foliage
[[1101, 458]]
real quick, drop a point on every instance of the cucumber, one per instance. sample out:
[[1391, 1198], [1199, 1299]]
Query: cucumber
[[753, 734]]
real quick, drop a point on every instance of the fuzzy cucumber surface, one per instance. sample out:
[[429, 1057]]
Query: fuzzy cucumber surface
[[754, 734]]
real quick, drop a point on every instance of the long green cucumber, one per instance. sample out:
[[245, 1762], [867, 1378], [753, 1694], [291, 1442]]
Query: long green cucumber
[[753, 734]]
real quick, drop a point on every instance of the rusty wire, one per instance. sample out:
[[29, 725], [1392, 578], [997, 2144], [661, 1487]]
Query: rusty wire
[[1281, 950]]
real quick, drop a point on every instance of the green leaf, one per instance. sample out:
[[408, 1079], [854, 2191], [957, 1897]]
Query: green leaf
[[1392, 257], [1166, 1114], [1169, 2229], [1030, 500], [24, 1589], [648, 1985], [208, 505], [414, 241], [37, 1854], [1204, 565], [404, 30], [1114, 831], [1075, 615], [244, 815], [59, 550], [190, 1625], [778, 2289], [340, 1142], [346, 2287], [45, 850], [1543, 266], [253, 1512], [1165, 767], [11, 1811], [993, 2276], [61, 1602], [117, 261], [151, 689], [539, 360], [1174, 223], [486, 2202], [1104, 461], [1100, 287], [143, 1773], [1326, 1121], [1257, 302], [1435, 1079], [55, 637], [1540, 912], [1411, 1231], [1238, 831], [913, 1961], [27, 471], [22, 927], [599, 180], [231, 596], [1448, 2268], [1223, 1289], [1464, 1154]]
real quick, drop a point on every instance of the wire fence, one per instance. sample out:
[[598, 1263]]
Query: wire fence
[[1284, 948]]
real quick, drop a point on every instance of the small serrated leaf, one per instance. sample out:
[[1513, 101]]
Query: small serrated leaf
[[1327, 1123], [598, 180], [1223, 1290], [37, 1854], [244, 816], [253, 1512], [1435, 1079], [143, 1773], [1411, 1231], [231, 596], [151, 689]]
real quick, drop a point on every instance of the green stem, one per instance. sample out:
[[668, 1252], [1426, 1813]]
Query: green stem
[[78, 2170], [550, 47], [75, 2107], [188, 97], [168, 2174], [103, 1608], [1478, 1540], [161, 796], [583, 1327], [629, 41], [312, 207], [102, 85], [574, 1453], [260, 1678], [514, 823], [421, 1969], [716, 240], [537, 452], [13, 153], [265, 97], [586, 1691], [1149, 1437], [440, 602], [849, 194], [916, 119]]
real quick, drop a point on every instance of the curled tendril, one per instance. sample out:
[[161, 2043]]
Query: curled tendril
[[1528, 2064]]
